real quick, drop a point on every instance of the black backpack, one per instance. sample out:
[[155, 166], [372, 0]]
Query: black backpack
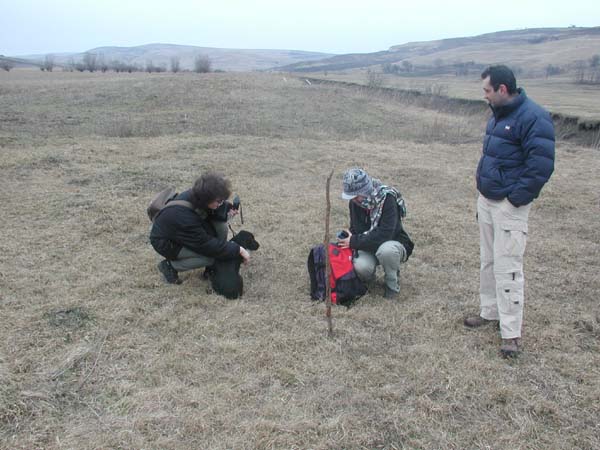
[[346, 287]]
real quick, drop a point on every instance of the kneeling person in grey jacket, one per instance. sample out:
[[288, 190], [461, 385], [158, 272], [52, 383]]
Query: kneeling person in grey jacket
[[376, 233]]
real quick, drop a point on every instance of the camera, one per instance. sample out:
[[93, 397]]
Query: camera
[[343, 234], [235, 203]]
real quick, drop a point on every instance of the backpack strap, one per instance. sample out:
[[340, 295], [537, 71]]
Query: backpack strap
[[179, 203], [176, 203]]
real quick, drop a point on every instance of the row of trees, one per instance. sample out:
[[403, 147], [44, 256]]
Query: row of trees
[[458, 68], [588, 72], [584, 71], [395, 69], [92, 62], [202, 64]]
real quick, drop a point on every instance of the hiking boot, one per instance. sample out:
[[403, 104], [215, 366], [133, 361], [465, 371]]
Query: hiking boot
[[392, 295], [169, 274], [510, 348], [477, 321]]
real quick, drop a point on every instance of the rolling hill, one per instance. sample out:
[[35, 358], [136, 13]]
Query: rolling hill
[[530, 49], [240, 60]]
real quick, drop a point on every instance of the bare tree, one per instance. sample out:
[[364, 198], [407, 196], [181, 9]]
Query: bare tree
[[202, 64], [175, 65], [390, 68], [102, 64], [116, 65], [374, 79], [48, 63], [580, 71], [150, 67], [6, 64], [90, 61], [552, 70], [120, 66], [462, 68], [70, 65]]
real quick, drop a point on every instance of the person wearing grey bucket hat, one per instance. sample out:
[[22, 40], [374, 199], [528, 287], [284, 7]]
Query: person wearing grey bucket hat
[[357, 182], [376, 233]]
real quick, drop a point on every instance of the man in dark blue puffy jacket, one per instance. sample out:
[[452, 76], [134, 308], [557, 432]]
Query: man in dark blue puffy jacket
[[516, 161]]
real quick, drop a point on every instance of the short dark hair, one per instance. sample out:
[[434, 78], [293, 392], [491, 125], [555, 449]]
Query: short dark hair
[[208, 188], [501, 75]]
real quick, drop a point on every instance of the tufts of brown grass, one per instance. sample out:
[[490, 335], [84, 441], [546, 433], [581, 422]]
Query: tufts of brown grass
[[96, 352]]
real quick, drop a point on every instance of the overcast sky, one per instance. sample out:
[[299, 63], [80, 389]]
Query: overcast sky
[[332, 26]]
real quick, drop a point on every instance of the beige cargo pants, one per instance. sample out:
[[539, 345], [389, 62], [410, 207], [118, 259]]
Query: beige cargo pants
[[503, 235]]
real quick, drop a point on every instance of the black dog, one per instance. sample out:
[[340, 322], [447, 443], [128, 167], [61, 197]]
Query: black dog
[[225, 275]]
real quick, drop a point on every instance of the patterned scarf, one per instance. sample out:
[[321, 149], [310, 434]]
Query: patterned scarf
[[375, 202]]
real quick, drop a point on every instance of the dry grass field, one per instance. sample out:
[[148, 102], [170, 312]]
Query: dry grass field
[[558, 94], [96, 352]]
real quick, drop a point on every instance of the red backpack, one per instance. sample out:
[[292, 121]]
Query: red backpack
[[345, 284]]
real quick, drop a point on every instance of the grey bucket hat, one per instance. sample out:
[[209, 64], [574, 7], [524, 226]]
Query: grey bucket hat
[[357, 182]]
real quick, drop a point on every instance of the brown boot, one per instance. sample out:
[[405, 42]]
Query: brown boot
[[510, 347], [477, 321]]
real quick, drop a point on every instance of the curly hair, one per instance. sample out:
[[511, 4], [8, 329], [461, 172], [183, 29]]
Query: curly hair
[[209, 188]]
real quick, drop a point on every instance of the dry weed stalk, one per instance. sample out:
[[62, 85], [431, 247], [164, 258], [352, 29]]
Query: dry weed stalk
[[327, 264], [87, 377]]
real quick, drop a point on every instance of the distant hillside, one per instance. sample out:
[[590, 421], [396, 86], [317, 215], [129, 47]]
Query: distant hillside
[[529, 49], [7, 62], [161, 54]]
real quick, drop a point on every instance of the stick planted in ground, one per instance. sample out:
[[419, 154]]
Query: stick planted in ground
[[327, 263]]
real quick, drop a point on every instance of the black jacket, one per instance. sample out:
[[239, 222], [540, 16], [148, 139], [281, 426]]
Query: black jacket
[[388, 229], [176, 227]]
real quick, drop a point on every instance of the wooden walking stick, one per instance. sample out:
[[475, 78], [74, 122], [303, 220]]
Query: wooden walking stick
[[327, 262]]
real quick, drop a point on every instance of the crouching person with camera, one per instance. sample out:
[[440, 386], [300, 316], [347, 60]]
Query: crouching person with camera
[[192, 232], [376, 233]]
